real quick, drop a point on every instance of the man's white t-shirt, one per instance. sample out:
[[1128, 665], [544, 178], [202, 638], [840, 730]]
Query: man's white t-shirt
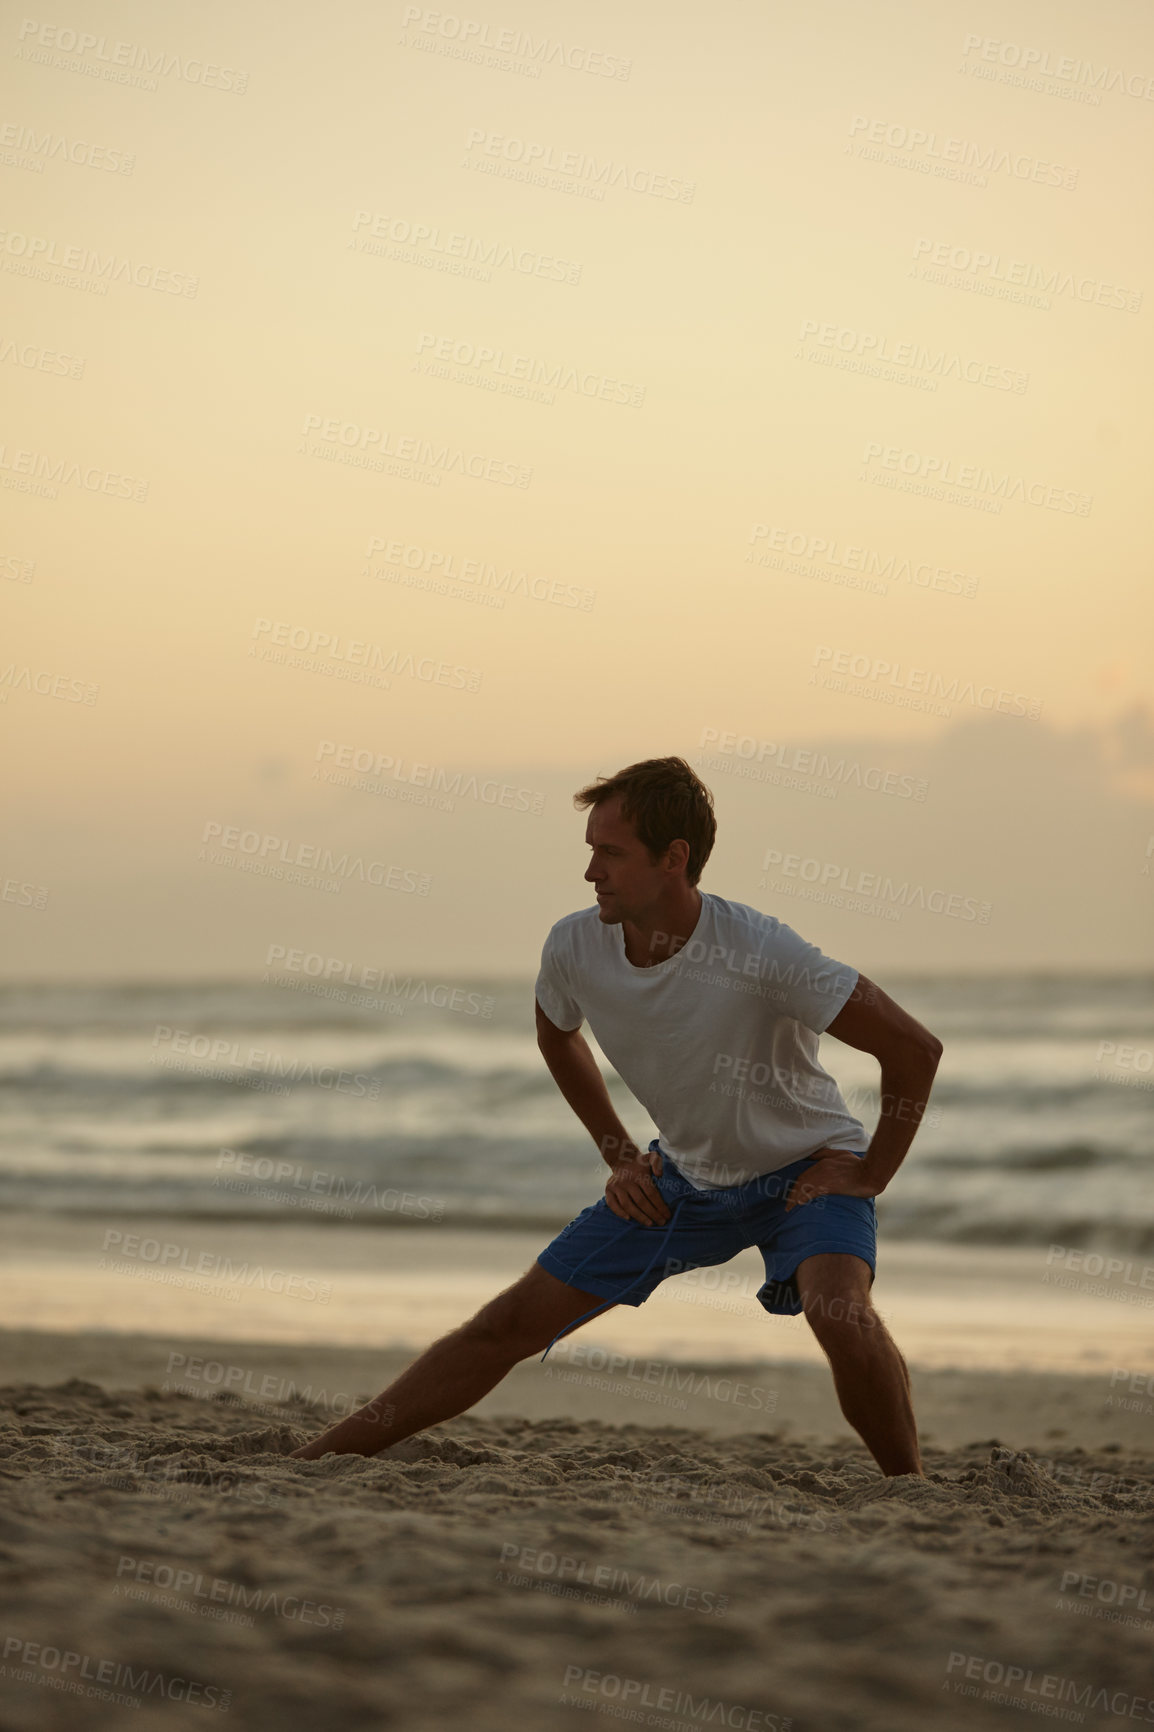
[[718, 1042]]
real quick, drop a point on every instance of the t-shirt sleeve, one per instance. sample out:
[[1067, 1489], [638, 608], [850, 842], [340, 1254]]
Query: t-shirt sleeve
[[810, 985], [553, 990]]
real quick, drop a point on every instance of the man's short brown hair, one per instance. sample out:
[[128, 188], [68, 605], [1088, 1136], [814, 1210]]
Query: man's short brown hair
[[664, 801]]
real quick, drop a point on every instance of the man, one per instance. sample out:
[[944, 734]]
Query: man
[[784, 1168]]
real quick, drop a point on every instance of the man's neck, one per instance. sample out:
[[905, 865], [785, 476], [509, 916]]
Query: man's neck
[[655, 940]]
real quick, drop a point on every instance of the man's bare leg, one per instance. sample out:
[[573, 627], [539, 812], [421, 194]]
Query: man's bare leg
[[869, 1374], [458, 1370]]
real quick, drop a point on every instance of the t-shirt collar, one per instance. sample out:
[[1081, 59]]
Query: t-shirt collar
[[652, 967]]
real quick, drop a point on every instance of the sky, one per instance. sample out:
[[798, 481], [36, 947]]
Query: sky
[[410, 416]]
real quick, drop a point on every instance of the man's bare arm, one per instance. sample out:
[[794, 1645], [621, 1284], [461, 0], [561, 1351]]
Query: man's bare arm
[[630, 1191], [908, 1055]]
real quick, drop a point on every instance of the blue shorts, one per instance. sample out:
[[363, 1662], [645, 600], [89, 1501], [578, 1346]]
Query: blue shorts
[[624, 1261]]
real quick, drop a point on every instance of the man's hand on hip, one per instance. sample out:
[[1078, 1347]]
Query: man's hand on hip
[[630, 1191], [837, 1174]]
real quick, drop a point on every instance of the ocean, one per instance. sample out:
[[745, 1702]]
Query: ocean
[[427, 1102]]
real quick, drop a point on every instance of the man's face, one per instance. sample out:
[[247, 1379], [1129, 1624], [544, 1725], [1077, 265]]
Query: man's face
[[627, 880]]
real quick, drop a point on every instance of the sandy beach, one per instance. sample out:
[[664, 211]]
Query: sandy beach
[[576, 1544], [668, 1523]]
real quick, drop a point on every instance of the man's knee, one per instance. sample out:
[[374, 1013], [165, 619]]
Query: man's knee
[[841, 1320], [835, 1295]]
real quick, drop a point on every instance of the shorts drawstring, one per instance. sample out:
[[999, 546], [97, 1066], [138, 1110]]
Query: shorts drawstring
[[722, 1221], [615, 1299]]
